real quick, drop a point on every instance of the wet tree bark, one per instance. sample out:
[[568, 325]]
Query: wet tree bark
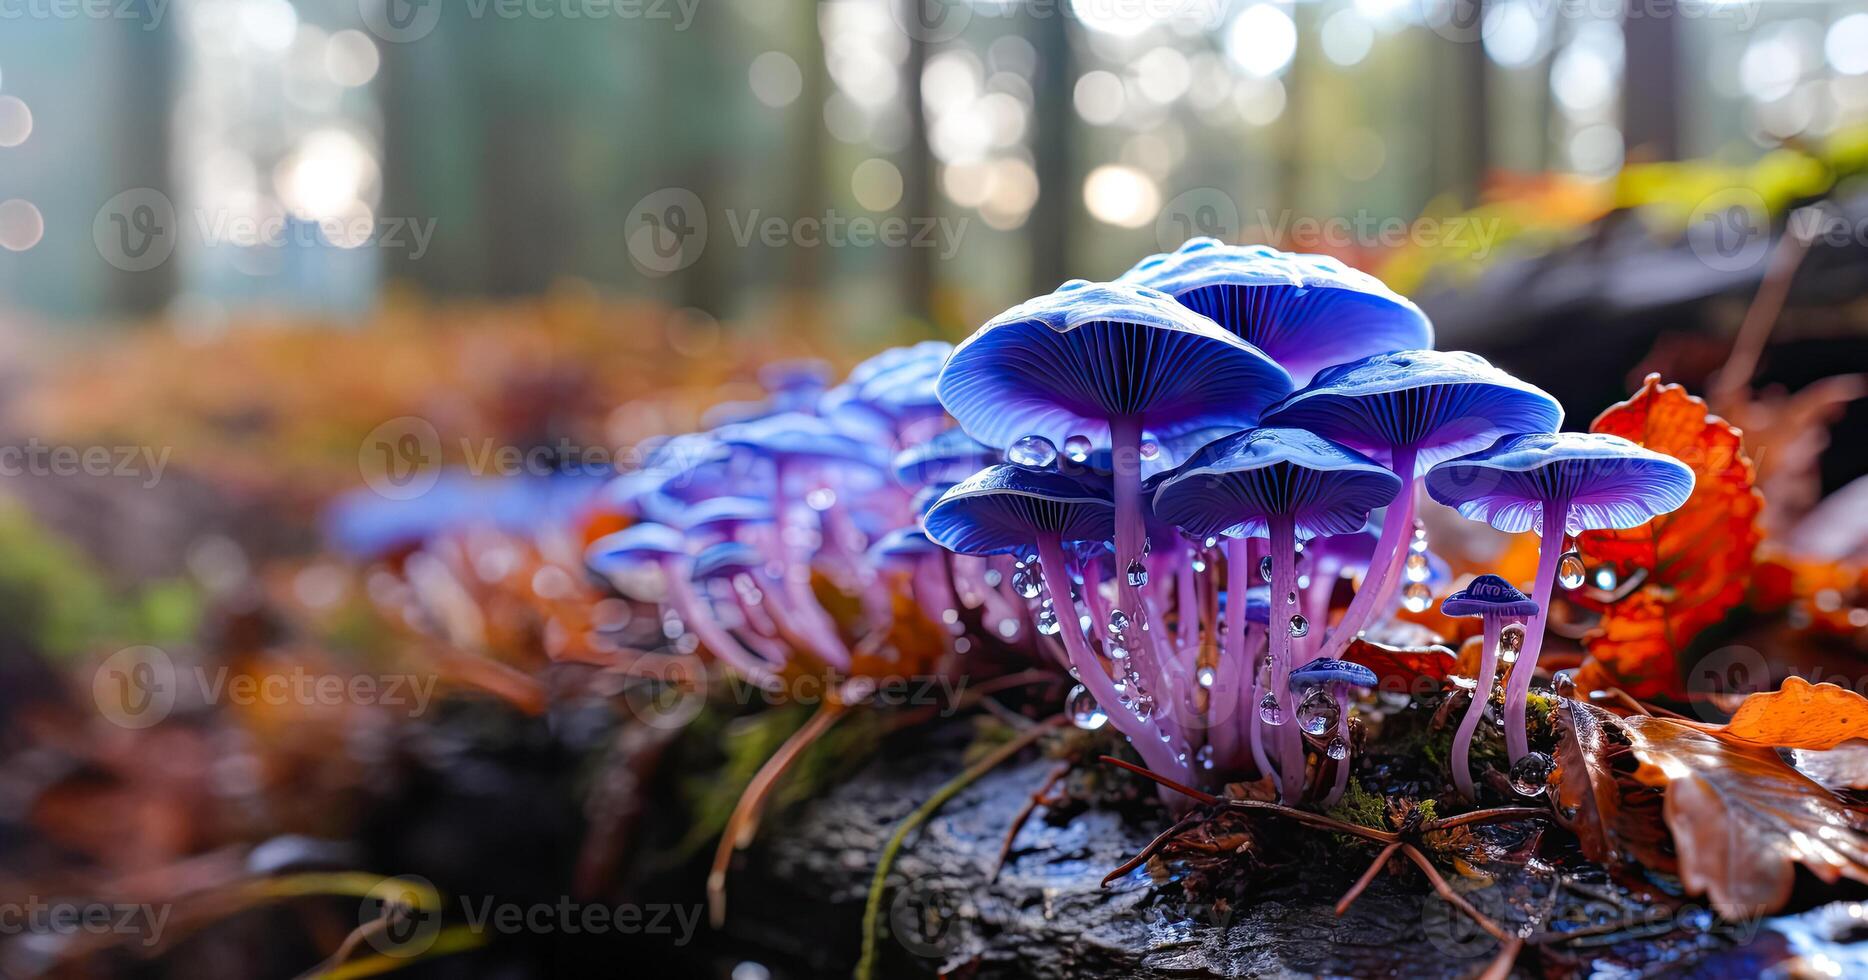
[[801, 895]]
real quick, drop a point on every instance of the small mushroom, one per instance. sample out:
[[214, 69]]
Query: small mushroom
[[664, 547], [1306, 311], [947, 458], [1557, 484], [1410, 409], [1008, 510], [1328, 706], [1496, 602], [1291, 485]]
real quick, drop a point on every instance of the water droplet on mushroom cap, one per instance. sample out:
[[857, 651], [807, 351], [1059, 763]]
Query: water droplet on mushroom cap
[[1510, 641], [1085, 713], [1077, 448], [1269, 710], [1530, 775], [1317, 712], [1033, 451], [1570, 570]]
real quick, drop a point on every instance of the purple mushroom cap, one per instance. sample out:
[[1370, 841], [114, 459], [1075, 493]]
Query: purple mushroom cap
[[796, 435], [725, 559], [1489, 595], [724, 515], [1608, 481], [1306, 311], [902, 544], [1002, 509], [635, 545], [1233, 486], [1324, 670], [1065, 364], [1440, 403], [947, 458]]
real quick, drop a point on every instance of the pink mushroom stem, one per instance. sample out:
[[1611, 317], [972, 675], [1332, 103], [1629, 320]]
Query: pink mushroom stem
[[1481, 693], [1384, 564], [712, 635], [1283, 581], [1125, 435], [1090, 669], [1518, 687], [1223, 700]]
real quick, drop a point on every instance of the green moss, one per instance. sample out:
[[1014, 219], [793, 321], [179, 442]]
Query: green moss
[[52, 598], [1362, 808]]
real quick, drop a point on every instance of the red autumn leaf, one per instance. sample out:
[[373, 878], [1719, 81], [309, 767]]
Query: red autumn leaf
[[1696, 560], [1740, 819], [1400, 669]]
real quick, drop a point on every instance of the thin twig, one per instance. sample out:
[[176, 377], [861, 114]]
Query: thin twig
[[1147, 852], [743, 823], [1494, 815], [1375, 867], [1446, 891], [1024, 814]]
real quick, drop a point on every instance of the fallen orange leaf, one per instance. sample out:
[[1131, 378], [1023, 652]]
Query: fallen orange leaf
[[1741, 819], [1800, 715], [1696, 560]]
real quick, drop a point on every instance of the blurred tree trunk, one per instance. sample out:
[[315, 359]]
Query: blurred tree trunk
[[1050, 150], [1651, 104], [917, 178]]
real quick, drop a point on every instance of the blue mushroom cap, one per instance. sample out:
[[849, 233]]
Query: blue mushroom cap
[[1323, 670], [1306, 311], [634, 545], [1489, 595], [1002, 509], [1065, 364], [903, 543], [366, 524], [1608, 481], [724, 559], [947, 458], [795, 435], [1232, 486], [795, 376], [721, 515], [1442, 403]]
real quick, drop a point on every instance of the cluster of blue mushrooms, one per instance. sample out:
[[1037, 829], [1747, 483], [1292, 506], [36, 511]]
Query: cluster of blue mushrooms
[[1155, 483]]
